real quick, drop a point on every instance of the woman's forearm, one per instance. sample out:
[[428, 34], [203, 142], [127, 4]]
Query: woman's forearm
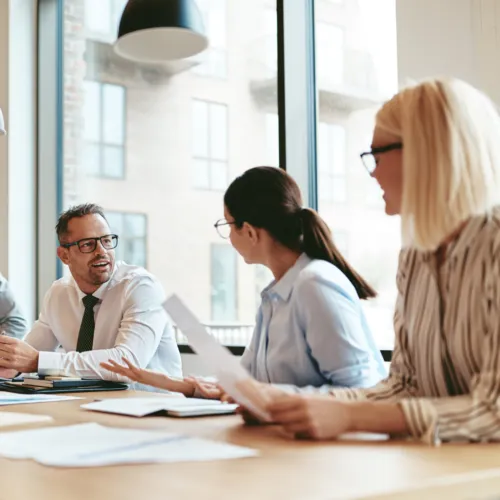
[[369, 416]]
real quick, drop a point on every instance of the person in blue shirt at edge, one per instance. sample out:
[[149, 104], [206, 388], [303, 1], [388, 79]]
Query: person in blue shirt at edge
[[310, 327]]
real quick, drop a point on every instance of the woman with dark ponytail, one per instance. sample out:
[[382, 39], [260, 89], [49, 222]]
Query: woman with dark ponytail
[[310, 328]]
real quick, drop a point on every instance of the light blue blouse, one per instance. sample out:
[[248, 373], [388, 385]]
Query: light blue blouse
[[311, 330]]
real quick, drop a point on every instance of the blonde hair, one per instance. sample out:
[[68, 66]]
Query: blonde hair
[[451, 157]]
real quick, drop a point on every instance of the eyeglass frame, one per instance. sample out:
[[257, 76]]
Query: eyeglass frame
[[220, 223], [77, 243], [376, 151]]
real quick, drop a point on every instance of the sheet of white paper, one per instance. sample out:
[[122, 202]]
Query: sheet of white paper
[[9, 418], [11, 398], [92, 445], [138, 407], [217, 358]]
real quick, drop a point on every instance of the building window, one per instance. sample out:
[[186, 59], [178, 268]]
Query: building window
[[213, 61], [330, 55], [210, 166], [132, 232], [332, 169], [104, 129], [102, 18], [224, 283]]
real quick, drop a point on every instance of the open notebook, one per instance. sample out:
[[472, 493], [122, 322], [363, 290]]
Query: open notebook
[[162, 406]]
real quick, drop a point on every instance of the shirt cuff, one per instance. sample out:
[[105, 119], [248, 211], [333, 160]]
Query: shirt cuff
[[50, 363], [422, 419]]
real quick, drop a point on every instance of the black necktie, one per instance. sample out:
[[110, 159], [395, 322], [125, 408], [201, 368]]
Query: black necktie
[[86, 334]]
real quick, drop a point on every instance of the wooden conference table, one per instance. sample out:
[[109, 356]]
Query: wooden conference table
[[286, 469]]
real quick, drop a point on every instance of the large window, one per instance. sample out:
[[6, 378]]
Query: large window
[[356, 68], [104, 129], [176, 134], [132, 232], [210, 166]]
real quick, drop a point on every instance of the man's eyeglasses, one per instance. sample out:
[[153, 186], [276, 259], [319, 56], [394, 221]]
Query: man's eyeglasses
[[369, 158], [223, 227], [88, 245]]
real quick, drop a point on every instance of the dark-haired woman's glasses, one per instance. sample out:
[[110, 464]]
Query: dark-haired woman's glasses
[[223, 227], [88, 245], [369, 158]]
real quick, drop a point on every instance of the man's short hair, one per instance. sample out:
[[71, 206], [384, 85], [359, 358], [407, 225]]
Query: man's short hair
[[74, 212]]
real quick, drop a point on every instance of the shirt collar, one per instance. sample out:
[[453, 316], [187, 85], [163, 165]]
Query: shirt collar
[[99, 293], [283, 288]]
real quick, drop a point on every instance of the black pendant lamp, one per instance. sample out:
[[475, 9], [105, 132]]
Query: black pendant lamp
[[154, 31]]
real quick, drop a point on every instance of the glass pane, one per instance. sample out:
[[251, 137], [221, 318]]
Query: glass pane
[[135, 225], [339, 189], [323, 146], [217, 23], [330, 53], [338, 146], [135, 252], [364, 40], [92, 158], [201, 174], [272, 139], [112, 162], [218, 173], [224, 284], [199, 113], [115, 222], [98, 15], [91, 111], [176, 158], [113, 107], [218, 132]]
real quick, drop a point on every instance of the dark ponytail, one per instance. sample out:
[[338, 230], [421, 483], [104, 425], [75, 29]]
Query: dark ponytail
[[268, 198], [317, 243]]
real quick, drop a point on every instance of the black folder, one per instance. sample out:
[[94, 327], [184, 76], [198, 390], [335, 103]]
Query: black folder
[[91, 386]]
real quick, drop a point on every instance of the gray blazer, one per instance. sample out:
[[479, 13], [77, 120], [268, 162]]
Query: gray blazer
[[12, 321]]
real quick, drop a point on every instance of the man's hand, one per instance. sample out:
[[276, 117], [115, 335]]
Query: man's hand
[[17, 355]]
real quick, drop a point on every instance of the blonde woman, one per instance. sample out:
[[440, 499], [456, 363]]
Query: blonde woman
[[436, 156]]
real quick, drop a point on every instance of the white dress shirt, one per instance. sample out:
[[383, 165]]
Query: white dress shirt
[[129, 319]]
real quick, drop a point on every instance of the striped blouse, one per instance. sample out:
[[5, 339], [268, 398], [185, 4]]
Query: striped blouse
[[445, 372]]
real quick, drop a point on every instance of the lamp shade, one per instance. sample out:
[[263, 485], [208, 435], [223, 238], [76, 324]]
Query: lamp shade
[[2, 124], [154, 31]]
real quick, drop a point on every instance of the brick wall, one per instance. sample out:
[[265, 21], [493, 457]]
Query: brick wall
[[74, 73]]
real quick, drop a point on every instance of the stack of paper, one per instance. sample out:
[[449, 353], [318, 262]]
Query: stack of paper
[[91, 445], [8, 418], [174, 406], [8, 398]]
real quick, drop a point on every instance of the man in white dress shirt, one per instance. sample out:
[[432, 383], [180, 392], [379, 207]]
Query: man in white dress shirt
[[104, 310]]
